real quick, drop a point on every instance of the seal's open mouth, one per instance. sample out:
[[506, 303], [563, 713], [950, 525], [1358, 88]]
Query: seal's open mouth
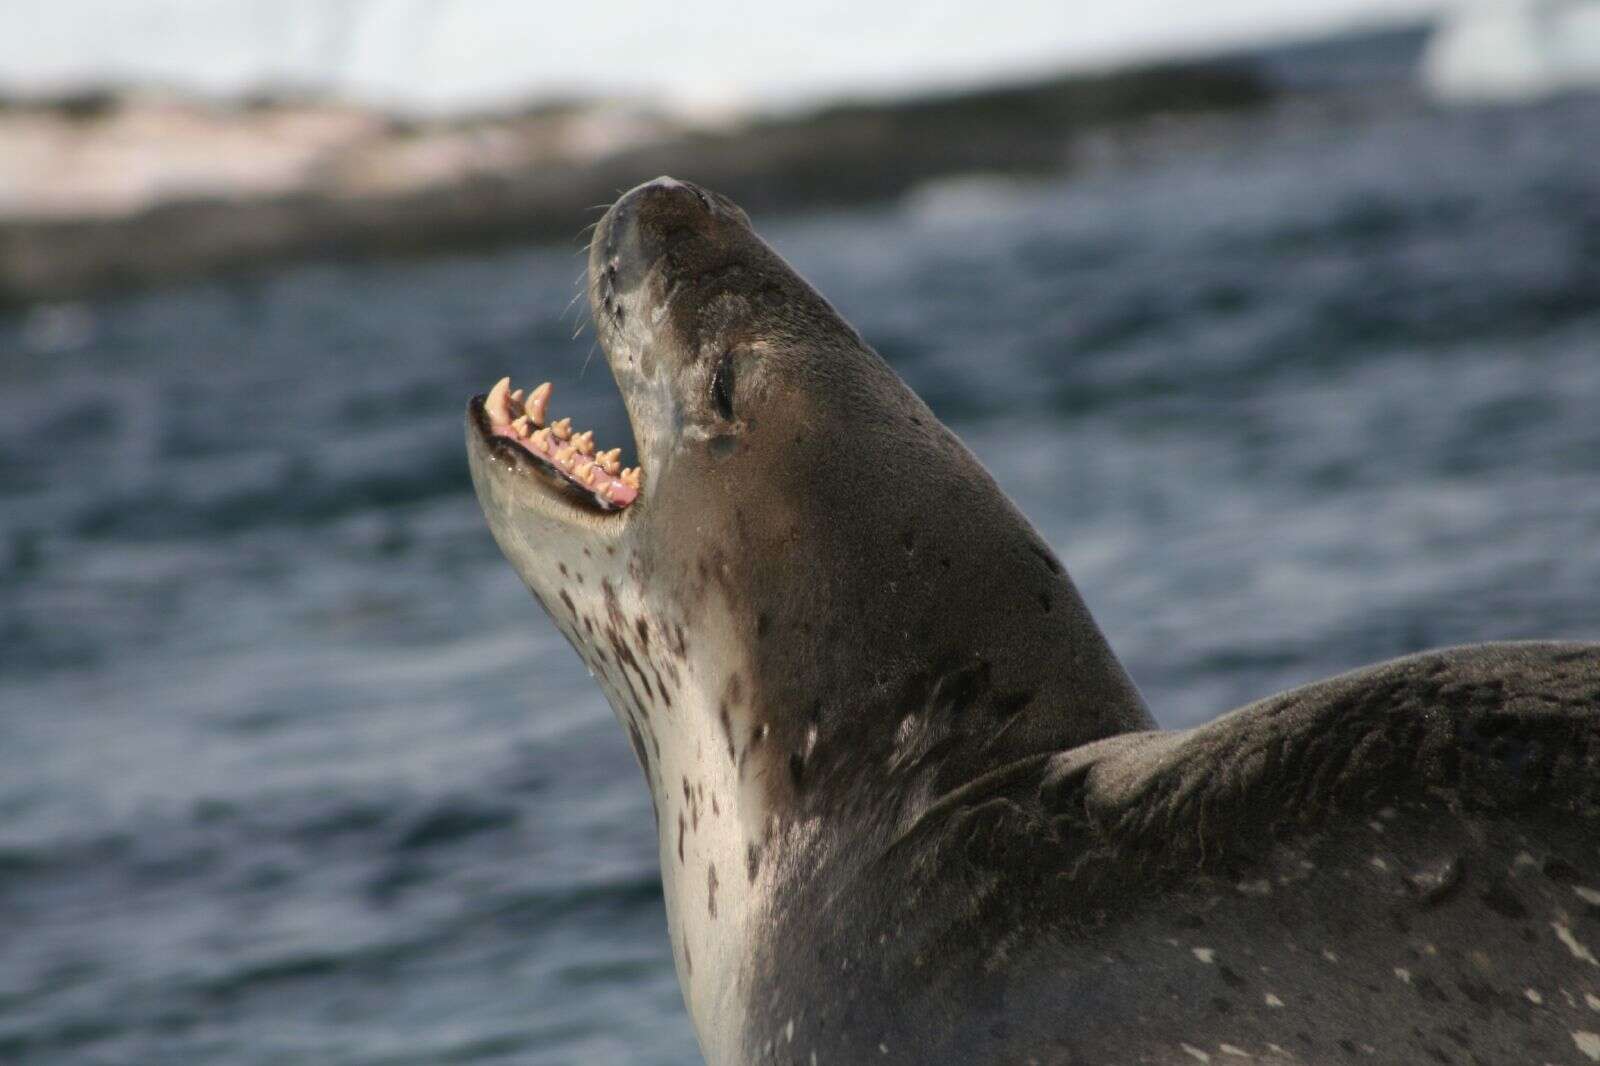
[[518, 423]]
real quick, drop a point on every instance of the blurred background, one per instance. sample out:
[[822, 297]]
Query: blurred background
[[1281, 321]]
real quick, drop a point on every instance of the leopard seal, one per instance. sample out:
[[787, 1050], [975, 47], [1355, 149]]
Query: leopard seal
[[911, 809]]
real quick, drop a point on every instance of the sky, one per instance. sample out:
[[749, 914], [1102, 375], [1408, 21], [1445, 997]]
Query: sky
[[442, 55]]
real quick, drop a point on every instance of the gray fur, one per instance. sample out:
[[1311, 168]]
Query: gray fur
[[1380, 867], [912, 810]]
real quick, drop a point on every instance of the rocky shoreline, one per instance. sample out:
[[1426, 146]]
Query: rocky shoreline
[[113, 190]]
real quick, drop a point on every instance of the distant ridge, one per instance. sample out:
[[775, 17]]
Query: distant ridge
[[230, 185], [354, 183]]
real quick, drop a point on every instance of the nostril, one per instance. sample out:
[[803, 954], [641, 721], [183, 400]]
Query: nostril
[[704, 197]]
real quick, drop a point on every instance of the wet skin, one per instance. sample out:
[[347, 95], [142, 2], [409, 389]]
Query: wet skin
[[910, 806]]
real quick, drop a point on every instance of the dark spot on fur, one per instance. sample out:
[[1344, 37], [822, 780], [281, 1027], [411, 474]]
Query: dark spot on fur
[[1428, 989], [564, 572], [711, 889], [763, 625], [1436, 1052], [640, 752], [722, 386], [797, 770], [955, 691], [644, 634], [752, 861], [1504, 902], [1560, 871], [1231, 979], [727, 729], [568, 601], [683, 825], [1009, 703], [1045, 557], [1044, 601]]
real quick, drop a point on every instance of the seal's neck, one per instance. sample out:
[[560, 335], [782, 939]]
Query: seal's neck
[[679, 680], [808, 674], [789, 741]]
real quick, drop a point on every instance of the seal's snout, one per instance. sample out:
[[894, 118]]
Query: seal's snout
[[667, 193], [652, 220]]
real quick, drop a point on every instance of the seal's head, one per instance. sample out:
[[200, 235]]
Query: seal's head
[[811, 607]]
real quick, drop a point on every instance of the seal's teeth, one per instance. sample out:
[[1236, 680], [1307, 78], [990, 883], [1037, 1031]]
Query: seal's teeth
[[630, 478], [562, 429], [522, 426], [610, 462], [584, 472], [516, 396], [563, 456], [539, 402], [541, 439], [584, 441], [498, 402]]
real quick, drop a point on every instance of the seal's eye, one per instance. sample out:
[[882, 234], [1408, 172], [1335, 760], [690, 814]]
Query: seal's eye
[[722, 386]]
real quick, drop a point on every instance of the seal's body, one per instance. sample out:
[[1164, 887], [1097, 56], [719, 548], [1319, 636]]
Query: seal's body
[[911, 808]]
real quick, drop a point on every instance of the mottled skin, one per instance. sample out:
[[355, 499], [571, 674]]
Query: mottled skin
[[911, 808]]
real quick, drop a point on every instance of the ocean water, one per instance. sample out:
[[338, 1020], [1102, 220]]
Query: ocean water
[[293, 771]]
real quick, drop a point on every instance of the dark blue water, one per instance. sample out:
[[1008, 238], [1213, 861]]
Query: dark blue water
[[292, 772]]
